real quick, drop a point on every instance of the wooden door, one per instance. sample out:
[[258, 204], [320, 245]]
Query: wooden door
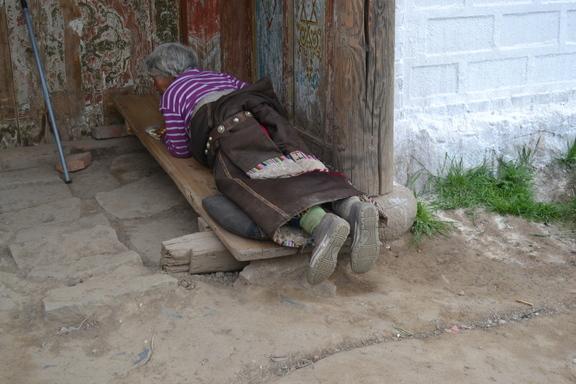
[[331, 61]]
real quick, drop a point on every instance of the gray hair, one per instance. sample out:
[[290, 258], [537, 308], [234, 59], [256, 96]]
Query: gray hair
[[170, 59]]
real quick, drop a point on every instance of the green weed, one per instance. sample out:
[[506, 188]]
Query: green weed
[[569, 158], [427, 224], [505, 188]]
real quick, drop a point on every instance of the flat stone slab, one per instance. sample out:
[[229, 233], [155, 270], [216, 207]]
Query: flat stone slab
[[32, 194], [54, 212], [9, 297], [147, 235], [143, 198], [104, 289], [36, 175], [95, 179], [131, 167], [72, 251], [284, 273]]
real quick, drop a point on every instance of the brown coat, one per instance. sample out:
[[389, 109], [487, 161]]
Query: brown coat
[[230, 140]]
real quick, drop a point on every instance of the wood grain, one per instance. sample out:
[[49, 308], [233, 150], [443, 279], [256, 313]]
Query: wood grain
[[194, 180], [362, 92], [7, 101], [236, 38], [200, 252]]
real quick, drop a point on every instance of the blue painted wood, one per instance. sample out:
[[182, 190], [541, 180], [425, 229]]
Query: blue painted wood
[[269, 43], [309, 48]]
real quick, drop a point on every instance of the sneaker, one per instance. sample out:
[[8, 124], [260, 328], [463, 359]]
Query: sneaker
[[365, 249], [329, 237]]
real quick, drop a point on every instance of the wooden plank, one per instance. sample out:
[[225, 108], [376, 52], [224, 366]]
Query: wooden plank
[[236, 38], [348, 71], [269, 43], [200, 252], [381, 65], [202, 31], [7, 98], [194, 180], [309, 59]]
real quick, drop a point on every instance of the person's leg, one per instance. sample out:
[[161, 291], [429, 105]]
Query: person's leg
[[363, 218], [329, 232]]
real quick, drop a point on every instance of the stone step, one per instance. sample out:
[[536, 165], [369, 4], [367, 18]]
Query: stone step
[[143, 198], [54, 212], [22, 196], [80, 300], [74, 250]]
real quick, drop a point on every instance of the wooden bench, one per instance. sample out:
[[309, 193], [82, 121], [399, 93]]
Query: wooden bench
[[192, 179]]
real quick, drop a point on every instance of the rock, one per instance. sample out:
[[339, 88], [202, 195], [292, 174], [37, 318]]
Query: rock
[[9, 298], [271, 272], [109, 131], [72, 251], [142, 198], [30, 195], [36, 176], [288, 272], [76, 162], [134, 166], [400, 208], [98, 179], [54, 212], [14, 291], [147, 235], [105, 289]]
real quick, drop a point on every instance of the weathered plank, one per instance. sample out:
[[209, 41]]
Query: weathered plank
[[363, 92], [382, 27], [269, 42], [200, 252], [236, 38], [194, 180], [309, 58], [7, 100], [201, 30]]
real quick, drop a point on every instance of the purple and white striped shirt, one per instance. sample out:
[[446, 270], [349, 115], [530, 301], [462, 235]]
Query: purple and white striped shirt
[[180, 99]]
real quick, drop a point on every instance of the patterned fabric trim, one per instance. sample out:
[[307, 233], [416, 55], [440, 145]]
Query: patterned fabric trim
[[292, 237], [294, 164], [380, 208]]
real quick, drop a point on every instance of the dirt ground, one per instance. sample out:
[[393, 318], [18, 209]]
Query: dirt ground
[[493, 302]]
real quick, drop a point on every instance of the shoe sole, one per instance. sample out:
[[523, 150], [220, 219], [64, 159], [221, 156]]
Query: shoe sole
[[323, 264], [366, 244]]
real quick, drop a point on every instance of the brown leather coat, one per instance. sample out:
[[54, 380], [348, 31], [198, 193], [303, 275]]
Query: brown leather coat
[[232, 141]]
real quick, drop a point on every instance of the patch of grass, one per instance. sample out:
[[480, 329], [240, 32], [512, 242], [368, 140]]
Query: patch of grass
[[505, 188], [569, 158], [427, 224]]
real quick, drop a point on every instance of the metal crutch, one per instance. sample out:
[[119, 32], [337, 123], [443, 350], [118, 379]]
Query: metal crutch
[[47, 100]]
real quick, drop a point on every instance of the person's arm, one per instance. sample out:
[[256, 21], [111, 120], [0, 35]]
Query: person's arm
[[175, 136]]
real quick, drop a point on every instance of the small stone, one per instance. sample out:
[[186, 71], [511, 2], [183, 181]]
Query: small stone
[[109, 131], [76, 162], [461, 293], [501, 321]]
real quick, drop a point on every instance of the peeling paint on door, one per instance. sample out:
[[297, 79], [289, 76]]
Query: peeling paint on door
[[89, 49]]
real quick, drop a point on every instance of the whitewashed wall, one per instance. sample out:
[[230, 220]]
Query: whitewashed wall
[[478, 77]]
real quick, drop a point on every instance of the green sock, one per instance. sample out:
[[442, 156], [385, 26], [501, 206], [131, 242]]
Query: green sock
[[310, 220]]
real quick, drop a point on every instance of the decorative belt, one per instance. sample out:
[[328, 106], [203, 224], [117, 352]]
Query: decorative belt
[[222, 130]]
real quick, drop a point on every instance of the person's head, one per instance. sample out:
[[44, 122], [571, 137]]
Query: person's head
[[167, 62]]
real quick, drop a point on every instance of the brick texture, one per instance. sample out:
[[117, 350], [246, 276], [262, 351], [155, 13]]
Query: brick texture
[[76, 162], [465, 54]]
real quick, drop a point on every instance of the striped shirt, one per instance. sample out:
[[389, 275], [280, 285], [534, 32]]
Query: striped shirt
[[180, 99]]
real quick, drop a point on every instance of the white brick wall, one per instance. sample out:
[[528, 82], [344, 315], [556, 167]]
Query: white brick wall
[[476, 78], [479, 55]]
